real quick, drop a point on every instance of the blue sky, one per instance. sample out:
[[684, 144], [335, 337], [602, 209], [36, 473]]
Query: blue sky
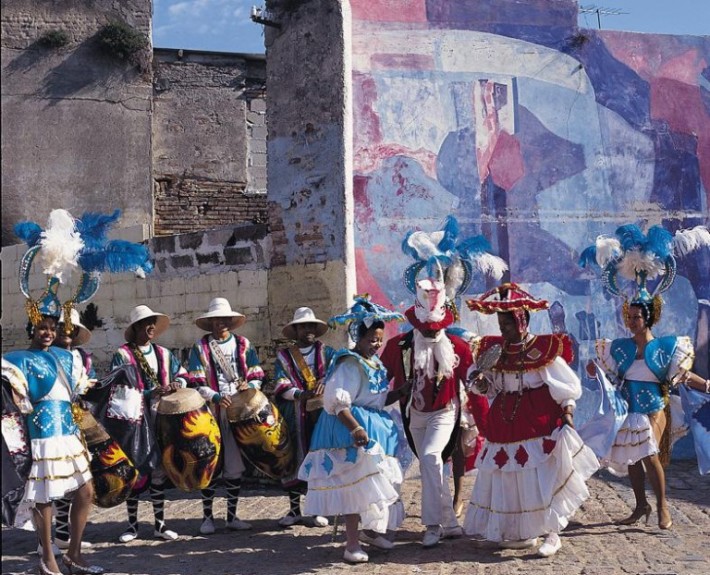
[[225, 26]]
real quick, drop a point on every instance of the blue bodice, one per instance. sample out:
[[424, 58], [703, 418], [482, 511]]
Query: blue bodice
[[373, 368], [657, 355]]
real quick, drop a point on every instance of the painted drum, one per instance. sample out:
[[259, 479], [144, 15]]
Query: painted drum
[[189, 439], [113, 473], [261, 433]]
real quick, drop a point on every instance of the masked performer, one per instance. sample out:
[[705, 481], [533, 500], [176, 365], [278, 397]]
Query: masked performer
[[222, 364], [299, 373], [533, 467], [437, 363], [351, 468], [160, 374], [645, 368]]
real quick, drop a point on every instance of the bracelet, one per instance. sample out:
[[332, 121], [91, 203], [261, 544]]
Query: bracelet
[[358, 428], [707, 386]]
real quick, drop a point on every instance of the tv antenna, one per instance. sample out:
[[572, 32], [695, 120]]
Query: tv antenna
[[600, 11]]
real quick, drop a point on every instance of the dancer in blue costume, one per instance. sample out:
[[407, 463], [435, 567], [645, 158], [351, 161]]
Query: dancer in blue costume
[[644, 368], [351, 468]]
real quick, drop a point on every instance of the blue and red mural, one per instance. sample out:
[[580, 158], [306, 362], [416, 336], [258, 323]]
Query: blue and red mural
[[538, 135]]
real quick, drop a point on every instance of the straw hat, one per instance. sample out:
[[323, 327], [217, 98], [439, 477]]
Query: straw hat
[[141, 312], [304, 315], [84, 334], [219, 307]]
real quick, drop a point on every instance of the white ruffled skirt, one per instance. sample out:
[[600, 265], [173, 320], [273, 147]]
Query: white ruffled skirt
[[530, 488], [633, 442], [60, 465]]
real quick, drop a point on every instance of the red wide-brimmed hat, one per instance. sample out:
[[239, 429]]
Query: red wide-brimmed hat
[[507, 297]]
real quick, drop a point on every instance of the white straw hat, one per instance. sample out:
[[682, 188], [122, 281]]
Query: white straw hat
[[304, 315], [219, 307], [140, 312], [84, 334]]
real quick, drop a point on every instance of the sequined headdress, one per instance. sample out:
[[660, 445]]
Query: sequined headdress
[[639, 258], [449, 264], [69, 246], [508, 298], [363, 311]]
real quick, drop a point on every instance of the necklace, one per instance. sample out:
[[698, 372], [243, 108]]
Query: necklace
[[519, 396]]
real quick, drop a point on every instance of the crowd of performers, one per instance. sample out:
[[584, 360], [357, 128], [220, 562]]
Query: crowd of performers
[[504, 404]]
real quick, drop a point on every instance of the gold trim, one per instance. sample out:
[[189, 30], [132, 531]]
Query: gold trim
[[53, 477], [310, 488]]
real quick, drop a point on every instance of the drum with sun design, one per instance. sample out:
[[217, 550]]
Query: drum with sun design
[[114, 474], [189, 439], [261, 433]]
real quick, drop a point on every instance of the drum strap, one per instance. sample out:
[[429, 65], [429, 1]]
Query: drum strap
[[308, 376], [144, 366], [224, 364]]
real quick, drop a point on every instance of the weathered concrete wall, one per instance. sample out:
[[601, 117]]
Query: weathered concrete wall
[[209, 147], [75, 121], [309, 123], [190, 270]]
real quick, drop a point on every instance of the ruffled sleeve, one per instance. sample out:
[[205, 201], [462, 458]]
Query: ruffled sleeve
[[19, 384], [565, 387], [342, 386], [682, 359], [606, 362]]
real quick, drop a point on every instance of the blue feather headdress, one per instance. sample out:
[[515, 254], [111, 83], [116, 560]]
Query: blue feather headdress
[[67, 246], [448, 259], [640, 258], [363, 311]]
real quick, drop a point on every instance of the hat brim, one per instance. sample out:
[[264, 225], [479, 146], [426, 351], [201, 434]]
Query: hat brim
[[161, 324], [204, 322], [289, 330], [82, 337], [491, 307]]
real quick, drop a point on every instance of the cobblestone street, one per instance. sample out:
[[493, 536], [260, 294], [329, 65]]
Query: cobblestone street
[[591, 545]]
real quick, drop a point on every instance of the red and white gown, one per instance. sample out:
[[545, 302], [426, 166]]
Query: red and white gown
[[532, 470]]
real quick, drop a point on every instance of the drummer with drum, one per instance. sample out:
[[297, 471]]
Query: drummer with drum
[[222, 364], [299, 372], [160, 373]]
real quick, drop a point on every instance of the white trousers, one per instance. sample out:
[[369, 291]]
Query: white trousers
[[431, 432]]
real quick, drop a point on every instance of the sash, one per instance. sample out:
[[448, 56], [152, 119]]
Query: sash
[[224, 364], [308, 377]]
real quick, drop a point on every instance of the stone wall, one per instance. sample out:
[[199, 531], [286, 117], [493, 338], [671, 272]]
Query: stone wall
[[209, 146], [76, 121]]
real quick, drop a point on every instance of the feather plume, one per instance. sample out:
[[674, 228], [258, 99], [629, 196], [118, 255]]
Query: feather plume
[[630, 237], [490, 265], [28, 232], [455, 276], [94, 227], [636, 260], [450, 233], [117, 256], [659, 241], [424, 247], [608, 249], [588, 257], [687, 241], [407, 249], [61, 244], [472, 247]]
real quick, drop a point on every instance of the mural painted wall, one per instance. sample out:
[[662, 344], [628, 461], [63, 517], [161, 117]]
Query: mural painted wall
[[538, 135]]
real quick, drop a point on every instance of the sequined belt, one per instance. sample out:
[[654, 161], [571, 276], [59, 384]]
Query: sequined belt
[[643, 396], [50, 418]]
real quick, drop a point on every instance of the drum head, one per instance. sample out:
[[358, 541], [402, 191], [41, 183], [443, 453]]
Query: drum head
[[246, 405], [180, 401]]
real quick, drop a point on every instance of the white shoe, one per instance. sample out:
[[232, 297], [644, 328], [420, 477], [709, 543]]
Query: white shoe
[[65, 544], [432, 536], [55, 550], [320, 521], [521, 544], [357, 556], [238, 525], [288, 520], [127, 536], [167, 534], [207, 527], [551, 545], [379, 541]]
